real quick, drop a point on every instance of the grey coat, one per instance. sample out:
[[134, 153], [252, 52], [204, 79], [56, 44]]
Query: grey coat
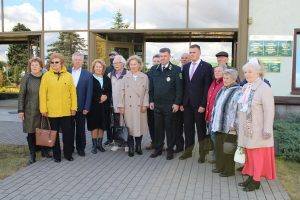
[[29, 103], [225, 113]]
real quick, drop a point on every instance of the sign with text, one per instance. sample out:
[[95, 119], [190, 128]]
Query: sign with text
[[271, 64], [270, 45]]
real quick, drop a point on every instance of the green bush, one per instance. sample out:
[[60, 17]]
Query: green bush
[[288, 135]]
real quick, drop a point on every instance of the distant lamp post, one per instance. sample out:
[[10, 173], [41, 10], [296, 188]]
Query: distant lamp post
[[126, 23], [6, 53]]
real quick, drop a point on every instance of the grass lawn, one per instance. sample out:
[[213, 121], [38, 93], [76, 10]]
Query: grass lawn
[[14, 158], [289, 175]]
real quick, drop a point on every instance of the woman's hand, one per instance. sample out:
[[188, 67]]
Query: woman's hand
[[103, 98], [121, 110], [181, 108], [232, 129], [265, 137], [143, 109], [73, 112], [21, 115], [45, 114]]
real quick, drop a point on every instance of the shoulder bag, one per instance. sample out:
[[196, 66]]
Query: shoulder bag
[[45, 137]]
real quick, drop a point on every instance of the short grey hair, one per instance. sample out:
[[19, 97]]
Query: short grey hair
[[257, 65], [223, 67], [122, 59], [77, 54], [232, 72]]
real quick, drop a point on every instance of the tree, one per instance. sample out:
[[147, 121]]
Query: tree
[[18, 54], [67, 44], [118, 22]]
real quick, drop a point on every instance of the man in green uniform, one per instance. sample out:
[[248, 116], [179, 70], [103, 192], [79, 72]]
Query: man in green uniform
[[165, 96]]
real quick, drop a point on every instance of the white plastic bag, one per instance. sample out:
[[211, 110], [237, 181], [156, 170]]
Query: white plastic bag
[[240, 155]]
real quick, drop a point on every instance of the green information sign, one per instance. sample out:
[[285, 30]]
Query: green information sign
[[256, 48], [285, 48], [271, 64], [270, 48]]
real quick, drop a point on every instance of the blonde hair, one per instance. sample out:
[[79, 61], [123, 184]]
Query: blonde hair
[[101, 62], [137, 58], [59, 56]]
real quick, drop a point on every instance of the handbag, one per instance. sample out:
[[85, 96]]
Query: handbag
[[208, 144], [240, 155], [45, 137], [120, 132], [229, 147]]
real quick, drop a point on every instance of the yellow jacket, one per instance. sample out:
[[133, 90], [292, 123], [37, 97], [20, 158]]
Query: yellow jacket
[[57, 93]]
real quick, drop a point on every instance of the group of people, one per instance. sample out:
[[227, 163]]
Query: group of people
[[169, 100]]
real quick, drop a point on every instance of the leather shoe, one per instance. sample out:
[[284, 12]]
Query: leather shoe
[[70, 159], [212, 162], [217, 171], [151, 146], [226, 174], [155, 154], [170, 156], [185, 156], [81, 153], [57, 160], [177, 150], [201, 160]]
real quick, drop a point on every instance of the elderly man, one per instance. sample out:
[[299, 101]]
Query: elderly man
[[197, 77], [83, 81], [116, 77], [165, 95], [222, 59]]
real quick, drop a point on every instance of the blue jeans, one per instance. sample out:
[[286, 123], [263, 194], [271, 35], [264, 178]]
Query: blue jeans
[[212, 136]]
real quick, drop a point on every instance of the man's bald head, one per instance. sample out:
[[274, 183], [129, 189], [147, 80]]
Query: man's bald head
[[185, 58]]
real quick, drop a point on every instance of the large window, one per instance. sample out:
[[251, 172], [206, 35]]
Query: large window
[[296, 64]]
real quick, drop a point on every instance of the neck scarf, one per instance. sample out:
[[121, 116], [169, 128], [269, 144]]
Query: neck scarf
[[244, 99], [37, 75]]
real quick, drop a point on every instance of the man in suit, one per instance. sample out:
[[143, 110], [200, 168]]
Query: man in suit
[[222, 59], [197, 77], [184, 59], [83, 81], [165, 96]]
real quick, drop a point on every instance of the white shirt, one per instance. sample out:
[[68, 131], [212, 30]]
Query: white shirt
[[164, 66], [135, 77], [191, 66], [76, 75]]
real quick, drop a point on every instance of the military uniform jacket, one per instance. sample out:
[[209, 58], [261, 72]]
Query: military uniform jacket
[[166, 87]]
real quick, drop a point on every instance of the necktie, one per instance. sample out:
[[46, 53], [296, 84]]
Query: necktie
[[192, 72], [164, 68]]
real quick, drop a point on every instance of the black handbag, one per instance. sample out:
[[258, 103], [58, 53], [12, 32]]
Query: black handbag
[[229, 147], [208, 144], [120, 132]]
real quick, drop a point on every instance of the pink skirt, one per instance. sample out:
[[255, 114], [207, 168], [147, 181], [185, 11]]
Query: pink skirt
[[260, 162]]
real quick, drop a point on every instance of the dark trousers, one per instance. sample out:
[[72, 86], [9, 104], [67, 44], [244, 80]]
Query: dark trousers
[[65, 124], [78, 126], [192, 116], [224, 161], [179, 130], [151, 125], [163, 115], [138, 141]]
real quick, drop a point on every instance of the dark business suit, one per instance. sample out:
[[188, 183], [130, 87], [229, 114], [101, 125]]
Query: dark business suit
[[150, 117], [84, 91], [195, 96]]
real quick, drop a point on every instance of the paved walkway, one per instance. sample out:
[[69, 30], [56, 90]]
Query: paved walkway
[[114, 175]]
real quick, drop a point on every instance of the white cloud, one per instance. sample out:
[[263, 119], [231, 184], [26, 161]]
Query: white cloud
[[25, 14], [125, 7], [100, 23], [3, 56], [79, 5]]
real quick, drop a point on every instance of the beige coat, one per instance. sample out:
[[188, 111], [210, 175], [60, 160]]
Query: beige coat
[[133, 95], [263, 111]]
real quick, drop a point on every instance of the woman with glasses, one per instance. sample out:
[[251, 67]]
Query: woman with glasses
[[58, 101]]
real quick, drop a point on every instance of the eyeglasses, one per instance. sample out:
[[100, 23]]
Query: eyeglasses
[[56, 62], [117, 63]]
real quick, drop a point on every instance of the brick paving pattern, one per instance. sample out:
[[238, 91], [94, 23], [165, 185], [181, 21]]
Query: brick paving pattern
[[114, 175]]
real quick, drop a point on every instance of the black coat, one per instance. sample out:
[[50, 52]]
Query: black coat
[[99, 115]]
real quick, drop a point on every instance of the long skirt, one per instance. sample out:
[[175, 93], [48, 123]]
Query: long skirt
[[260, 162]]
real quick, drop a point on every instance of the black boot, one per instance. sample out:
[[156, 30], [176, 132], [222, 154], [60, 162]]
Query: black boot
[[44, 152], [138, 150], [100, 147], [31, 145], [244, 184], [94, 148], [252, 186], [131, 151]]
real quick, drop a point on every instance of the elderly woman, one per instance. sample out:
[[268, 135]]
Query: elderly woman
[[133, 101], [58, 101], [223, 120], [213, 90], [28, 105], [256, 117], [99, 115]]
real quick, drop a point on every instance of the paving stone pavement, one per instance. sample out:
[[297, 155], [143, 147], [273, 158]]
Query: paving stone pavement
[[114, 175]]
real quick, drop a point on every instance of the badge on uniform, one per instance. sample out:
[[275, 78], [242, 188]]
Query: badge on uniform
[[168, 79], [180, 75]]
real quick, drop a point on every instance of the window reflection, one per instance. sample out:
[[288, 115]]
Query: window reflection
[[27, 12], [101, 48], [102, 14], [66, 14], [213, 14], [66, 43], [157, 14], [297, 84]]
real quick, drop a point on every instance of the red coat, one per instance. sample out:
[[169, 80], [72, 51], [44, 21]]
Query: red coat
[[214, 88]]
